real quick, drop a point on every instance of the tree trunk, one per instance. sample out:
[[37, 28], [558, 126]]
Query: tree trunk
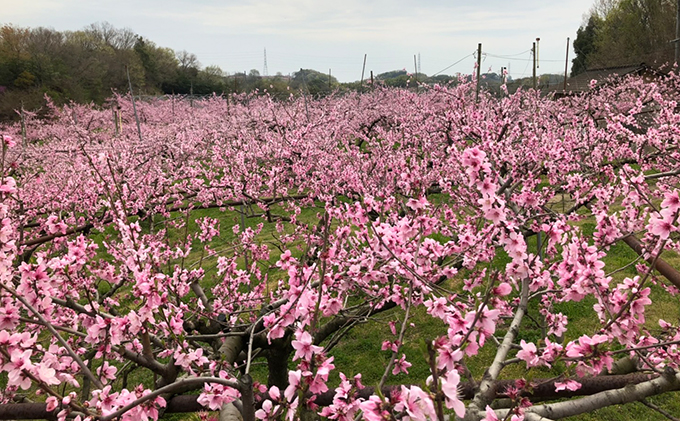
[[232, 346], [277, 364]]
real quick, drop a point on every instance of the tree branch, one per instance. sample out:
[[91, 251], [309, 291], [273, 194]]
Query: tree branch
[[669, 381], [486, 388]]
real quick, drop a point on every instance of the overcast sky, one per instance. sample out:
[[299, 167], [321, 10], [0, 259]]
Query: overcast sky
[[334, 35]]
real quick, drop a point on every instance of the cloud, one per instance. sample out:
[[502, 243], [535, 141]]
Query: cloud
[[323, 33], [16, 11]]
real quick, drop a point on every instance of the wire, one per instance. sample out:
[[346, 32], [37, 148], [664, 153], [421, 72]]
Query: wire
[[509, 55], [447, 68], [513, 57]]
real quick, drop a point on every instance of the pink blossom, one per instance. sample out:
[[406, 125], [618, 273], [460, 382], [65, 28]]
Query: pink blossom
[[303, 346], [268, 411], [490, 415], [417, 403], [660, 226], [567, 385], [293, 385], [372, 409], [671, 201], [503, 289], [7, 140], [52, 403], [401, 365], [529, 354], [420, 203], [450, 382], [46, 374], [214, 396]]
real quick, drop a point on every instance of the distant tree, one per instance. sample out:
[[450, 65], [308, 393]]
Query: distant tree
[[602, 8], [277, 85], [584, 44], [442, 79], [108, 35], [626, 32], [46, 47], [636, 31], [313, 82], [391, 74], [160, 65], [14, 55], [187, 73], [401, 81], [210, 80]]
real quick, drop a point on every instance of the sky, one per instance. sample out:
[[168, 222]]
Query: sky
[[333, 35]]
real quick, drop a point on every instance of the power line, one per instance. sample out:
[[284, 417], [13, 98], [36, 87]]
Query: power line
[[509, 55], [520, 59], [447, 68]]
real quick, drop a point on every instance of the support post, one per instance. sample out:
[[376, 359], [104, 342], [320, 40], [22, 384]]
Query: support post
[[134, 106], [533, 50], [363, 69], [677, 32], [566, 63], [479, 69], [415, 67], [23, 125]]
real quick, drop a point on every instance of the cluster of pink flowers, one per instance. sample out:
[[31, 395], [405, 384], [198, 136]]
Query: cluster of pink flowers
[[122, 250]]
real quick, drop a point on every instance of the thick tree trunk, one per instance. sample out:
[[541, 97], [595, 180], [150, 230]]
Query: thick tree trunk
[[668, 271], [232, 346], [230, 413], [277, 364]]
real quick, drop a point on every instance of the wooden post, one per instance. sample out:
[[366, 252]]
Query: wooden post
[[479, 69], [243, 229], [134, 107], [371, 77], [533, 50], [677, 33], [304, 96], [363, 68], [23, 125], [115, 120], [566, 63], [415, 67]]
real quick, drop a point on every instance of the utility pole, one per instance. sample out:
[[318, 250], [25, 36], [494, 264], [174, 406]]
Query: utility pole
[[533, 50], [265, 69], [415, 66], [566, 63], [479, 69], [363, 68], [134, 107], [677, 33]]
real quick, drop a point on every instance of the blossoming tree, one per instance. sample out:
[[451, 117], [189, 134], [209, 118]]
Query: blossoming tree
[[128, 281]]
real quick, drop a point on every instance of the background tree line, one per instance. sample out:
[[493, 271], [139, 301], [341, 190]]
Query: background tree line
[[90, 64], [87, 65], [625, 32]]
